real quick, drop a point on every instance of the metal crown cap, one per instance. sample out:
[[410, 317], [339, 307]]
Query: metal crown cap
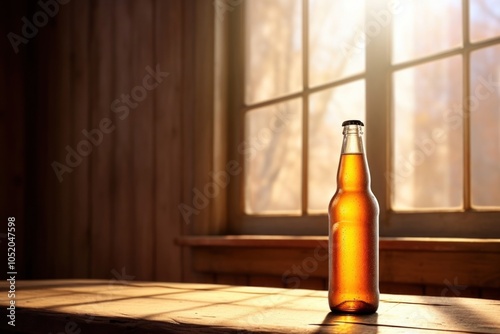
[[352, 122]]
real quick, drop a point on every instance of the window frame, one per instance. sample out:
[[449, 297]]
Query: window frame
[[468, 223]]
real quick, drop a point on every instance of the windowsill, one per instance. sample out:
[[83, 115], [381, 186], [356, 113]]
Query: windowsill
[[406, 244]]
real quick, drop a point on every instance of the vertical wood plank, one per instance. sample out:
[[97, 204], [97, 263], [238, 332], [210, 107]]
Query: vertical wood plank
[[5, 26], [187, 118], [143, 125], [202, 125], [123, 200], [5, 149], [62, 95], [194, 131], [13, 110], [101, 63], [197, 120], [168, 144], [41, 145], [80, 108], [47, 83]]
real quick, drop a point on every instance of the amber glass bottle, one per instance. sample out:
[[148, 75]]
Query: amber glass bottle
[[353, 230]]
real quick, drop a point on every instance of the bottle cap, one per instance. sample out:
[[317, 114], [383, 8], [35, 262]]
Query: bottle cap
[[352, 122]]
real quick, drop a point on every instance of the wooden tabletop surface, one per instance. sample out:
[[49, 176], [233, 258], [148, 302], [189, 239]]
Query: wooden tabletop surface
[[99, 306]]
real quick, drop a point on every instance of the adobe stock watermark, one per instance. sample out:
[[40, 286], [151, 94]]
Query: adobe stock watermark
[[453, 119], [423, 316], [362, 36], [297, 273], [121, 107], [118, 281], [29, 30], [291, 278], [453, 287], [221, 179], [222, 6]]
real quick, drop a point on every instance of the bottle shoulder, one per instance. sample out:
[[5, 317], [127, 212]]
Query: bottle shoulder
[[364, 192], [354, 198]]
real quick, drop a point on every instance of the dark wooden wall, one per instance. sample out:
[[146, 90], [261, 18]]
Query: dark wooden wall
[[117, 210], [12, 129]]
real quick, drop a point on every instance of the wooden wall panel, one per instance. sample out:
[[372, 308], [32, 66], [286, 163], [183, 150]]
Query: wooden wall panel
[[452, 289], [231, 279], [116, 212], [48, 44], [490, 293], [401, 288], [5, 26], [433, 268], [168, 140], [5, 148], [123, 177], [202, 123], [80, 226], [459, 273], [267, 261], [467, 268], [41, 149], [13, 110], [63, 135], [143, 133], [101, 95], [197, 120], [265, 280]]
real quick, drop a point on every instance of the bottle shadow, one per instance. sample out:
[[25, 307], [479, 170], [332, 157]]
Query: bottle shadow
[[349, 323]]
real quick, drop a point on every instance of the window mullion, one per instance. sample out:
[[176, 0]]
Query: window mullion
[[465, 104], [235, 100], [378, 93], [305, 104]]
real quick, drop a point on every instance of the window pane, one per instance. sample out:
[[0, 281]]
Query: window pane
[[427, 157], [328, 109], [484, 19], [273, 152], [273, 49], [425, 27], [485, 127], [336, 40]]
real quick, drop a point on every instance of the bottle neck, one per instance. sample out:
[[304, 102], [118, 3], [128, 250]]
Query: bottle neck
[[353, 140], [353, 173]]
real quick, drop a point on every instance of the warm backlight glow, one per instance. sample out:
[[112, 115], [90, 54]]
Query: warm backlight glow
[[437, 151]]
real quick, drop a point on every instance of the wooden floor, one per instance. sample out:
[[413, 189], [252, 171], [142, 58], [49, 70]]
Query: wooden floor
[[97, 306]]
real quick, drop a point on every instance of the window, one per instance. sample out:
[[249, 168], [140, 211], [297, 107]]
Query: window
[[423, 76]]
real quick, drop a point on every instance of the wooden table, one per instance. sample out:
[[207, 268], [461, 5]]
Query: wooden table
[[98, 306]]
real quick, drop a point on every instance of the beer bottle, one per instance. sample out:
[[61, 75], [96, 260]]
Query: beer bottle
[[353, 230]]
